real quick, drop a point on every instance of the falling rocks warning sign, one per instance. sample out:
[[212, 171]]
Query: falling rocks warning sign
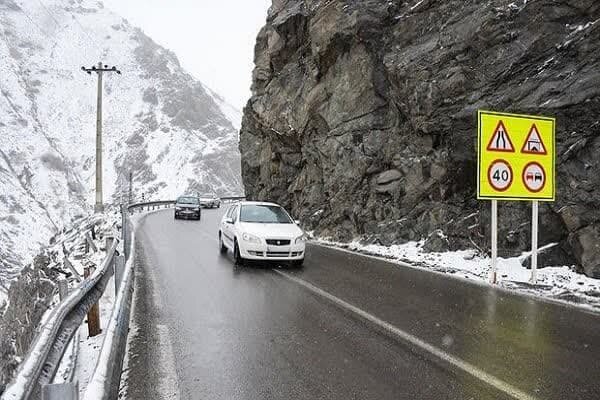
[[516, 157]]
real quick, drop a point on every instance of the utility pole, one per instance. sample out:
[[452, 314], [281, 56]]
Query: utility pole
[[100, 70], [130, 188]]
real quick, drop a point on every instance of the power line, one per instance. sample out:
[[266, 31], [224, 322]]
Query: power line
[[83, 30], [50, 14], [54, 19], [32, 21], [12, 106]]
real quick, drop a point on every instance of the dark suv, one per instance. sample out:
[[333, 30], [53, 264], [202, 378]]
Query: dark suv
[[187, 207]]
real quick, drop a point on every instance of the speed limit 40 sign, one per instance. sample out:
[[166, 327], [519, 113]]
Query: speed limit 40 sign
[[516, 157]]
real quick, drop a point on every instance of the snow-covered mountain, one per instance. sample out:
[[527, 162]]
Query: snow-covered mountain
[[174, 134]]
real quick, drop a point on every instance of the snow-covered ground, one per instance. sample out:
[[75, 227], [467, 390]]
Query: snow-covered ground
[[561, 283], [89, 347]]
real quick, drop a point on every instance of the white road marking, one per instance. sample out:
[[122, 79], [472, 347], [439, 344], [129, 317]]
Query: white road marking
[[472, 370]]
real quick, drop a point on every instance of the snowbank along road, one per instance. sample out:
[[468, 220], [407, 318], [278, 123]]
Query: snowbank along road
[[345, 326]]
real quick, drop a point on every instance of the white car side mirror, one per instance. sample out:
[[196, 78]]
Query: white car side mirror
[[228, 221], [297, 222]]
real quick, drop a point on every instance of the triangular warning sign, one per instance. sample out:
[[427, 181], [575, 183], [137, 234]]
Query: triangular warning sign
[[501, 140], [534, 143]]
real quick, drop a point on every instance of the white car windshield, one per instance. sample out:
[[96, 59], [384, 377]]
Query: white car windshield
[[264, 214]]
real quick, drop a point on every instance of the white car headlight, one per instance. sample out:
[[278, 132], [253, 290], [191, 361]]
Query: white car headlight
[[301, 239], [250, 238]]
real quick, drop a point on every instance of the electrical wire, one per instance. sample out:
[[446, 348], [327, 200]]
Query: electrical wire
[[50, 14], [32, 21], [58, 25], [81, 28]]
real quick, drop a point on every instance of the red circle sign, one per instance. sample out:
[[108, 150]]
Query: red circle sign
[[534, 177], [500, 175]]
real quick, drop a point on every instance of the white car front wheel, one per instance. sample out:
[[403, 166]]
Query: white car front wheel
[[222, 247], [239, 260]]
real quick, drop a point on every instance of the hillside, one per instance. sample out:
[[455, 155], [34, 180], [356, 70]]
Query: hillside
[[161, 124]]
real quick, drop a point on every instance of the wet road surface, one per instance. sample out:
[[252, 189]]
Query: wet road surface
[[206, 329]]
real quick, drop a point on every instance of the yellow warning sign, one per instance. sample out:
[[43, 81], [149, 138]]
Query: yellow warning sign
[[516, 157]]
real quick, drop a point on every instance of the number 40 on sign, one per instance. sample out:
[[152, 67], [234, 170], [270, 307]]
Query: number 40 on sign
[[516, 161]]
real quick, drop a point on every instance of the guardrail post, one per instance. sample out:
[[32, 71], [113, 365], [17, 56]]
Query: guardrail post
[[119, 266], [70, 266], [63, 289], [61, 391], [93, 317], [109, 241], [90, 243]]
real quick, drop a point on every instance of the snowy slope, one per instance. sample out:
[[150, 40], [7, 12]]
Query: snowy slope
[[161, 124]]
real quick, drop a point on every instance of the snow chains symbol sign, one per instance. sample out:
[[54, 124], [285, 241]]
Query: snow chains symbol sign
[[534, 177], [500, 175]]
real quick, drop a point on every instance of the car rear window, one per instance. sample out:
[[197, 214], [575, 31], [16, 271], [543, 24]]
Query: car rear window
[[187, 200], [264, 214]]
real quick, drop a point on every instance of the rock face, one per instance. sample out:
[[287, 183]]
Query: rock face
[[363, 116], [161, 124]]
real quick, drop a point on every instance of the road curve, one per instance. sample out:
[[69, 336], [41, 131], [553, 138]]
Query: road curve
[[344, 327]]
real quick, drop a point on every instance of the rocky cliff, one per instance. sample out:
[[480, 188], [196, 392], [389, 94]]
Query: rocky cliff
[[363, 117]]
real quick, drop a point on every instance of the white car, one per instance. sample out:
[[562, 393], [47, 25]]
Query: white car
[[210, 200], [261, 231]]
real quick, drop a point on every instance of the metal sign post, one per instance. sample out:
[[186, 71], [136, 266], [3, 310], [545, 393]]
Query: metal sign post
[[494, 269], [534, 239], [61, 391]]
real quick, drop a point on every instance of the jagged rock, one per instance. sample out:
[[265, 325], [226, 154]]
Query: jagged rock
[[345, 92], [586, 247], [30, 295], [436, 242], [388, 181]]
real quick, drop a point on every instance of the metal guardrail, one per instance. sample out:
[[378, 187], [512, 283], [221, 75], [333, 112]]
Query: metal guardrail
[[105, 382], [155, 205], [42, 362]]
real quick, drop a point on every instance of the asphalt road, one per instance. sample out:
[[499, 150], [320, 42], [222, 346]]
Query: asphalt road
[[343, 327]]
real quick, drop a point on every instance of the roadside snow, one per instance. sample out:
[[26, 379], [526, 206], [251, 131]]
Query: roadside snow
[[89, 348], [133, 333], [66, 369], [560, 283]]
